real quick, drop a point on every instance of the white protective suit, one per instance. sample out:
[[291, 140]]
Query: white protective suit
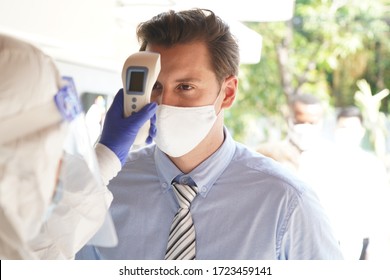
[[41, 169]]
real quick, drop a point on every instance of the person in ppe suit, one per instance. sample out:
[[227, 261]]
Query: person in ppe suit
[[53, 198]]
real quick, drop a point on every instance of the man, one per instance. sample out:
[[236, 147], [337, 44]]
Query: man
[[304, 134], [243, 205], [356, 194]]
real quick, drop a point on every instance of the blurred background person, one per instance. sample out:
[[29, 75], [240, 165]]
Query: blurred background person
[[94, 118], [304, 135], [350, 182], [357, 200]]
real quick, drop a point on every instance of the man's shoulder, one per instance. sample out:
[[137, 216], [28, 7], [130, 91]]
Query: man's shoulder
[[139, 164], [140, 159], [257, 167]]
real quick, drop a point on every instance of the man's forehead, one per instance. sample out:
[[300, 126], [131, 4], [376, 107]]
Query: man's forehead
[[307, 112]]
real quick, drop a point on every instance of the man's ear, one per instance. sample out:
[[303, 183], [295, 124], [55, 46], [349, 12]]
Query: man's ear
[[230, 90]]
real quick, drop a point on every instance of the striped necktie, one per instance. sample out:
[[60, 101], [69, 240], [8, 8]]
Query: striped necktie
[[181, 242]]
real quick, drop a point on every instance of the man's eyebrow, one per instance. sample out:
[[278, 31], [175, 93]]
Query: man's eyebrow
[[187, 80]]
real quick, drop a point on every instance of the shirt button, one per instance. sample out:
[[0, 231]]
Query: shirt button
[[165, 185], [203, 189]]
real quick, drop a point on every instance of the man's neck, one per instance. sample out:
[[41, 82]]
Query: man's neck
[[204, 150]]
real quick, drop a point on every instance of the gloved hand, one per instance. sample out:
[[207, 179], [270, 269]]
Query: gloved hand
[[119, 132]]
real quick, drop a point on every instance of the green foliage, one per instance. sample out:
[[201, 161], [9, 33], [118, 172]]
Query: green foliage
[[325, 49], [375, 121]]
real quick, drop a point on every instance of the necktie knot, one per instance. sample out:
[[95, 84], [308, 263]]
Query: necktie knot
[[185, 194]]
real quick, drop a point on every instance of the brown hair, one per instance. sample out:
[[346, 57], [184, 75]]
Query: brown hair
[[170, 28]]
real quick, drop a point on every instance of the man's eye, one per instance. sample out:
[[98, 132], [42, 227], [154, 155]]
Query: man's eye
[[157, 86], [184, 87], [156, 91]]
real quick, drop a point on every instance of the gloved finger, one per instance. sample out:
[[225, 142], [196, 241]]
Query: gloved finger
[[143, 115], [152, 129], [153, 120], [149, 140]]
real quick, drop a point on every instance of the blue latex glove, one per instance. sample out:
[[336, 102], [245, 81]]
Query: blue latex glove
[[119, 132]]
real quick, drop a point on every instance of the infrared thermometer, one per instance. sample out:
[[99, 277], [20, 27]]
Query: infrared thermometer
[[139, 75]]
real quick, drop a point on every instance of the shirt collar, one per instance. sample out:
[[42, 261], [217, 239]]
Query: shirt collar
[[204, 175]]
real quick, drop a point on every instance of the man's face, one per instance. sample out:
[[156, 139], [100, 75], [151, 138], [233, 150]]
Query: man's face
[[349, 132], [307, 113], [186, 78], [305, 125]]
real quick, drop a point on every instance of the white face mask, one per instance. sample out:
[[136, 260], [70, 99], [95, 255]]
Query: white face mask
[[181, 129], [348, 138], [305, 135]]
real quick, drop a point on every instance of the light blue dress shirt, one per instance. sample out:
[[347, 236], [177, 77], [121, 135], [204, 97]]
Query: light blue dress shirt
[[248, 207]]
